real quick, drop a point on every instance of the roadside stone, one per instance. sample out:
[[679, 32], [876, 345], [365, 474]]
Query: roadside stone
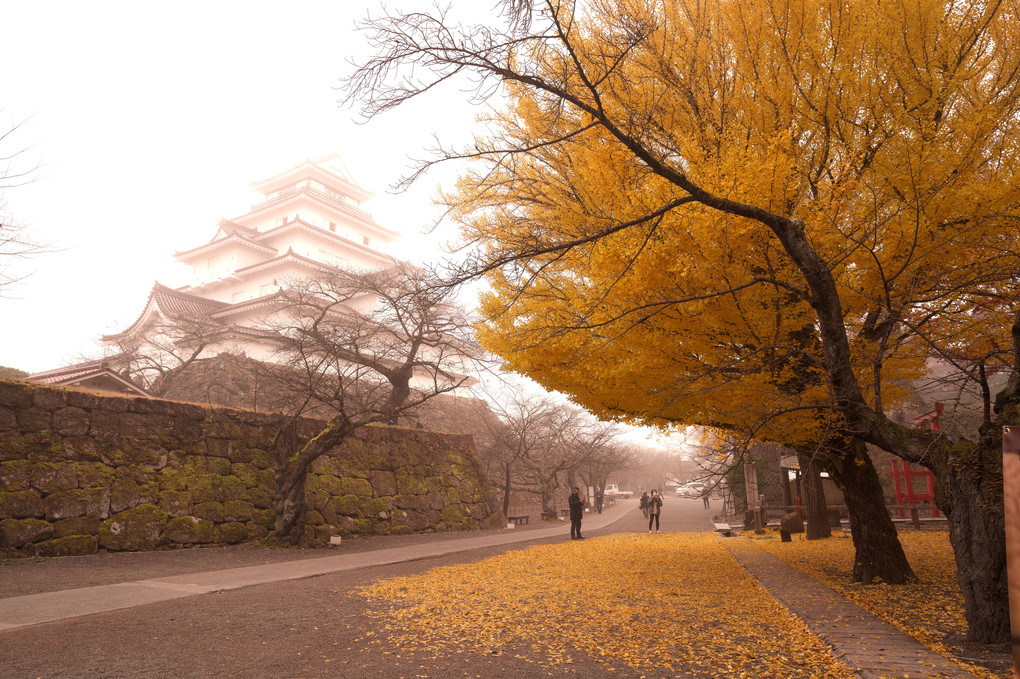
[[81, 525], [189, 530], [72, 545], [230, 533], [133, 529], [16, 533]]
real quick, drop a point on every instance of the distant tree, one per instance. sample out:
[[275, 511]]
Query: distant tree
[[16, 244], [356, 349], [12, 372]]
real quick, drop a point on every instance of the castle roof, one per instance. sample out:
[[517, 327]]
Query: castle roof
[[97, 375]]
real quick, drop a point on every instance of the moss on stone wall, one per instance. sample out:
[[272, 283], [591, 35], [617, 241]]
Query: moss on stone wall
[[81, 472]]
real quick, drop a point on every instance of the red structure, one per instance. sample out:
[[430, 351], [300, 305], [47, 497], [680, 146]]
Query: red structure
[[903, 475], [903, 480]]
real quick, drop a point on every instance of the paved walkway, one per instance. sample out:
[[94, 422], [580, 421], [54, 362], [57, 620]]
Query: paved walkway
[[871, 647]]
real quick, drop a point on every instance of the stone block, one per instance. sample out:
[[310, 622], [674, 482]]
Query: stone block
[[15, 394], [123, 495], [65, 504], [353, 486], [72, 545], [231, 533], [49, 399], [384, 483], [232, 488], [34, 420], [189, 530], [175, 502], [205, 487], [70, 421], [328, 484], [97, 502], [94, 474], [213, 511], [259, 498], [104, 424], [7, 419], [50, 477], [237, 510], [16, 533], [218, 465], [136, 529], [81, 448], [82, 525], [21, 504], [15, 475]]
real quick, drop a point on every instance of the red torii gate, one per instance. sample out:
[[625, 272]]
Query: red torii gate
[[903, 476]]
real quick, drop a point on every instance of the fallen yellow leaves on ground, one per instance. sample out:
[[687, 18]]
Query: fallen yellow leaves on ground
[[663, 604], [930, 610]]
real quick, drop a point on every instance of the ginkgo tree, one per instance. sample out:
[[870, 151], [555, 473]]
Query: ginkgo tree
[[686, 203]]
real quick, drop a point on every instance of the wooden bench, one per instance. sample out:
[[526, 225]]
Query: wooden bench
[[518, 520], [725, 529]]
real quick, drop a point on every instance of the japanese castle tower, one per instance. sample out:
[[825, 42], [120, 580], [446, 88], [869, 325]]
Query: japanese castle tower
[[311, 218]]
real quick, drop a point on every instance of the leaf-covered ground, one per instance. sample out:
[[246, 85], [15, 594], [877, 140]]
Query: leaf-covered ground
[[655, 605], [930, 610]]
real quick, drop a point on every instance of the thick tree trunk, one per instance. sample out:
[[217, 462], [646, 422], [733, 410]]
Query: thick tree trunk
[[879, 553], [977, 525], [290, 501], [291, 464], [814, 498], [978, 534], [507, 490], [549, 486]]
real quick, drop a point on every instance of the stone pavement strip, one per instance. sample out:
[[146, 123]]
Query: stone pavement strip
[[34, 609], [871, 647]]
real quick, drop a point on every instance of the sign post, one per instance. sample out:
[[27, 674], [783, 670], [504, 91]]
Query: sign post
[[1011, 501]]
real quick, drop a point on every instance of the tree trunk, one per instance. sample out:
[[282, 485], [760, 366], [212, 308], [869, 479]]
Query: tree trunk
[[977, 526], [549, 486], [978, 534], [290, 471], [879, 553], [506, 489], [814, 498], [290, 501]]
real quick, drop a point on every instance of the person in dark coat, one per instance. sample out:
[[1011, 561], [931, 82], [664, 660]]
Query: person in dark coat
[[654, 509], [598, 500], [644, 504], [576, 503]]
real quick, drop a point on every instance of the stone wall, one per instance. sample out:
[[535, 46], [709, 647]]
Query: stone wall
[[81, 472]]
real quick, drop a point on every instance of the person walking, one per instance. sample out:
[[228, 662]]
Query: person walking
[[644, 503], [704, 496], [654, 509], [598, 499], [576, 503]]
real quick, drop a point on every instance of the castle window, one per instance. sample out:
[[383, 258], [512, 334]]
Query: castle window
[[332, 227], [365, 240]]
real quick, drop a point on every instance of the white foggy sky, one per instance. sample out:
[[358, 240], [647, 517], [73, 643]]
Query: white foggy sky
[[151, 122]]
